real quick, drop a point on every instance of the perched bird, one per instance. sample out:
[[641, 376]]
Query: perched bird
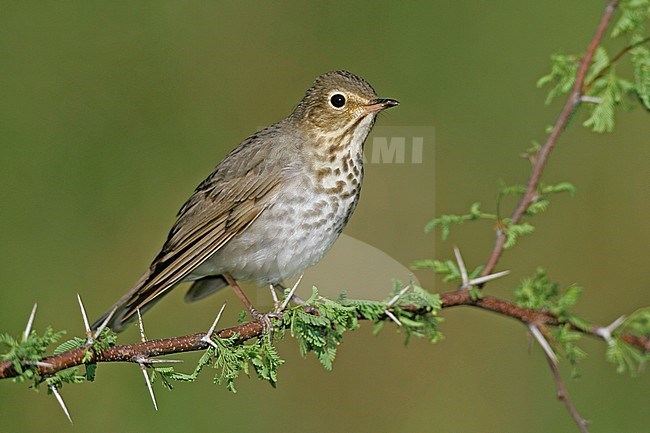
[[275, 204]]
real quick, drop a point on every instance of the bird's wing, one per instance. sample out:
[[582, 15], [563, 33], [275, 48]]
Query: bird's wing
[[219, 209]]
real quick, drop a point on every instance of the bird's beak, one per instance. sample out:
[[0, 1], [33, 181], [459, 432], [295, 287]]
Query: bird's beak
[[379, 104]]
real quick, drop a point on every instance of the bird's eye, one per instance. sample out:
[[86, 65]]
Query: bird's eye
[[337, 100]]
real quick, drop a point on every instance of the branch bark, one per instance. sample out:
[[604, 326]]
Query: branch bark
[[563, 395]]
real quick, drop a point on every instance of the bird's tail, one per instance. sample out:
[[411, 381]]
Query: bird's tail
[[121, 314], [125, 309]]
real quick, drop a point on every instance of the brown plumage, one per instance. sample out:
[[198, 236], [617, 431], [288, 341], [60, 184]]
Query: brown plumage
[[274, 205]]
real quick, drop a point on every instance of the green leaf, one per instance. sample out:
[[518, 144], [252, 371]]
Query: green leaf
[[446, 221], [446, 268], [641, 65], [567, 300], [634, 14], [513, 190], [539, 293], [514, 231], [599, 62], [558, 188], [625, 357], [538, 206], [66, 376], [608, 91], [32, 349], [322, 333], [91, 369], [563, 72], [566, 339], [73, 343], [637, 324]]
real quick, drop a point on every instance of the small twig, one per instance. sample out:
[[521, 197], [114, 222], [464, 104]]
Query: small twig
[[56, 393], [30, 322], [564, 396], [571, 104], [615, 59]]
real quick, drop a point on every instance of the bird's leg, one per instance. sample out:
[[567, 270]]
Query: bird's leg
[[264, 318], [240, 294]]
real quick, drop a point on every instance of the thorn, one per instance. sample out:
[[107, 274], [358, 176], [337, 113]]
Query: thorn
[[461, 267], [274, 295], [467, 283], [393, 301], [606, 331], [30, 321], [89, 333], [142, 336], [397, 297], [592, 99], [143, 367], [544, 343], [38, 363], [104, 323], [295, 298], [208, 337], [481, 280], [290, 295], [149, 361], [56, 393], [392, 317]]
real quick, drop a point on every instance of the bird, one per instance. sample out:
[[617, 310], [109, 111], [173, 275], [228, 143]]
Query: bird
[[272, 207]]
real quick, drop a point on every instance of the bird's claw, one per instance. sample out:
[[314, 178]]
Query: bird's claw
[[265, 320]]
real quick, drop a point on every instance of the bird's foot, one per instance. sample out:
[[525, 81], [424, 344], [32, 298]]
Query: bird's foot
[[265, 320]]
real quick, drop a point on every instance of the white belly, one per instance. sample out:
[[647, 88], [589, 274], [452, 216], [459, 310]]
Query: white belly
[[285, 239]]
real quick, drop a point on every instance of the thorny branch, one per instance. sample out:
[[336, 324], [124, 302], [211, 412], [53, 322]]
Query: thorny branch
[[246, 331], [572, 103], [530, 195], [563, 395], [611, 63]]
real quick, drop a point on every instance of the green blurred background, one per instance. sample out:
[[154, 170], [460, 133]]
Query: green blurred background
[[112, 112]]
